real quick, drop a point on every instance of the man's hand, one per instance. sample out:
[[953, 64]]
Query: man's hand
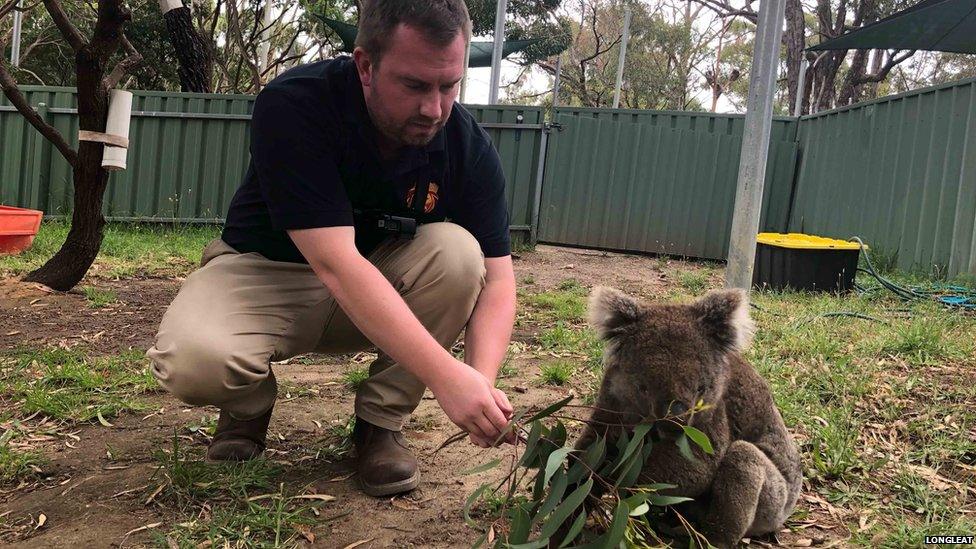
[[470, 401], [507, 409]]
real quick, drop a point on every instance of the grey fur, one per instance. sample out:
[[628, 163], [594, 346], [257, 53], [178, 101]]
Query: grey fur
[[661, 359]]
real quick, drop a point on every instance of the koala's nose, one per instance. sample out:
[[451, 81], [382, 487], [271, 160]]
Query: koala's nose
[[674, 408]]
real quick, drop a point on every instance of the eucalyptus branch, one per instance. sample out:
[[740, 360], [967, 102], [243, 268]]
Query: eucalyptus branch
[[70, 33]]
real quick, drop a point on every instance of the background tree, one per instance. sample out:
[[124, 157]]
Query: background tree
[[193, 52], [831, 80], [93, 50]]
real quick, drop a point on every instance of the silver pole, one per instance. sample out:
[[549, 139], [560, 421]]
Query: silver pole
[[496, 52], [557, 82], [755, 145], [622, 58], [537, 195], [15, 43], [800, 84]]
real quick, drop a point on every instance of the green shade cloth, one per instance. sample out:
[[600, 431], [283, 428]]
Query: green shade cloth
[[934, 25], [480, 51]]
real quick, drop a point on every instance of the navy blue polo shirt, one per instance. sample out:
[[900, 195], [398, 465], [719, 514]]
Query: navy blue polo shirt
[[314, 161]]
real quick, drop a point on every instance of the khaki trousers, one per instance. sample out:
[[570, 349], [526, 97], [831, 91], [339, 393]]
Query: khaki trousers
[[239, 312]]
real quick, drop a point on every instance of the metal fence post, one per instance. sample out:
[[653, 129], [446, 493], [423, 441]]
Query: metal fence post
[[755, 145], [37, 199], [496, 51]]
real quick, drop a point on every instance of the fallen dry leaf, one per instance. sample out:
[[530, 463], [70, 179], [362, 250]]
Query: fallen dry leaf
[[306, 532], [404, 504], [320, 497], [358, 543], [141, 528], [154, 494], [803, 542], [102, 420], [41, 519], [343, 477]]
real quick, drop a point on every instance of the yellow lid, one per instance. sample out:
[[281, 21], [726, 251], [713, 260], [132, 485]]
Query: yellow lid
[[805, 242]]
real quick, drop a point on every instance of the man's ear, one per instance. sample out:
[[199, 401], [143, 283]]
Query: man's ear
[[364, 66], [611, 311], [724, 316]]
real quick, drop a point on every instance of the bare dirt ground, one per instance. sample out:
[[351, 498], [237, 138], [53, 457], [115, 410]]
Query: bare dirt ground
[[98, 479]]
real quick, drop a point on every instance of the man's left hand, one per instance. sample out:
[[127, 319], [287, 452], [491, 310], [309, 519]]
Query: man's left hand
[[502, 400]]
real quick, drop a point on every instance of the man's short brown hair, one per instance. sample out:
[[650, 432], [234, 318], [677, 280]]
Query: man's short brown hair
[[439, 20]]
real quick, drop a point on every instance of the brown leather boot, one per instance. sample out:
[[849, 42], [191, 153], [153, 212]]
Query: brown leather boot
[[236, 440], [385, 465]]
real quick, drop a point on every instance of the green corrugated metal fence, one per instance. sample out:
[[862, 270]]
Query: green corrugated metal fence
[[189, 153], [652, 181], [900, 172]]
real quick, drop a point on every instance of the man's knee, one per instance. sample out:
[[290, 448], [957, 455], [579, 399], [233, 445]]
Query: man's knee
[[456, 256], [202, 370]]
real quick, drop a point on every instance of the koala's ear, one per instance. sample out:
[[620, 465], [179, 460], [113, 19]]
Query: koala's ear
[[724, 316], [611, 310]]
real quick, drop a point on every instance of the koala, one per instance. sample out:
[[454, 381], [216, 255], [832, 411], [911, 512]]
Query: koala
[[661, 360]]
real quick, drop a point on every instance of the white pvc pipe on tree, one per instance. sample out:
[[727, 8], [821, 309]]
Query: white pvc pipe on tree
[[119, 117], [166, 6]]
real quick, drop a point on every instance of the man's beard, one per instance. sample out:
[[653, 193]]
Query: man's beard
[[411, 132], [415, 132]]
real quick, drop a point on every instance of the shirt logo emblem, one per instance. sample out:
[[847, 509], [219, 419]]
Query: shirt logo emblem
[[432, 197]]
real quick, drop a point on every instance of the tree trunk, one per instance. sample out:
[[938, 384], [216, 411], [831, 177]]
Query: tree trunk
[[795, 42], [69, 265], [871, 90], [850, 91], [192, 52]]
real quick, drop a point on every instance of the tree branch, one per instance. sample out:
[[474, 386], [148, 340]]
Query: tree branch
[[71, 34], [18, 100], [890, 64], [8, 7], [132, 60]]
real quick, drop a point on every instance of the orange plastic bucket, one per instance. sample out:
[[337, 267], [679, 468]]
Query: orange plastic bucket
[[18, 226]]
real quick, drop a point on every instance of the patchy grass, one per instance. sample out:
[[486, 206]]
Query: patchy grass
[[16, 464], [556, 373], [568, 303], [875, 402], [694, 282], [244, 504], [128, 249], [68, 385], [98, 298], [353, 379], [882, 406]]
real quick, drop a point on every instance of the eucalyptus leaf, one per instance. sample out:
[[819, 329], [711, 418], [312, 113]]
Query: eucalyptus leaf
[[685, 449], [551, 409], [566, 508], [574, 530], [699, 438], [483, 467], [556, 492], [661, 501], [519, 532], [470, 501], [637, 439], [555, 460]]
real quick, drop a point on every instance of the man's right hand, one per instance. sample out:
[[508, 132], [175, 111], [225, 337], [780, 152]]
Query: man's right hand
[[469, 400]]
